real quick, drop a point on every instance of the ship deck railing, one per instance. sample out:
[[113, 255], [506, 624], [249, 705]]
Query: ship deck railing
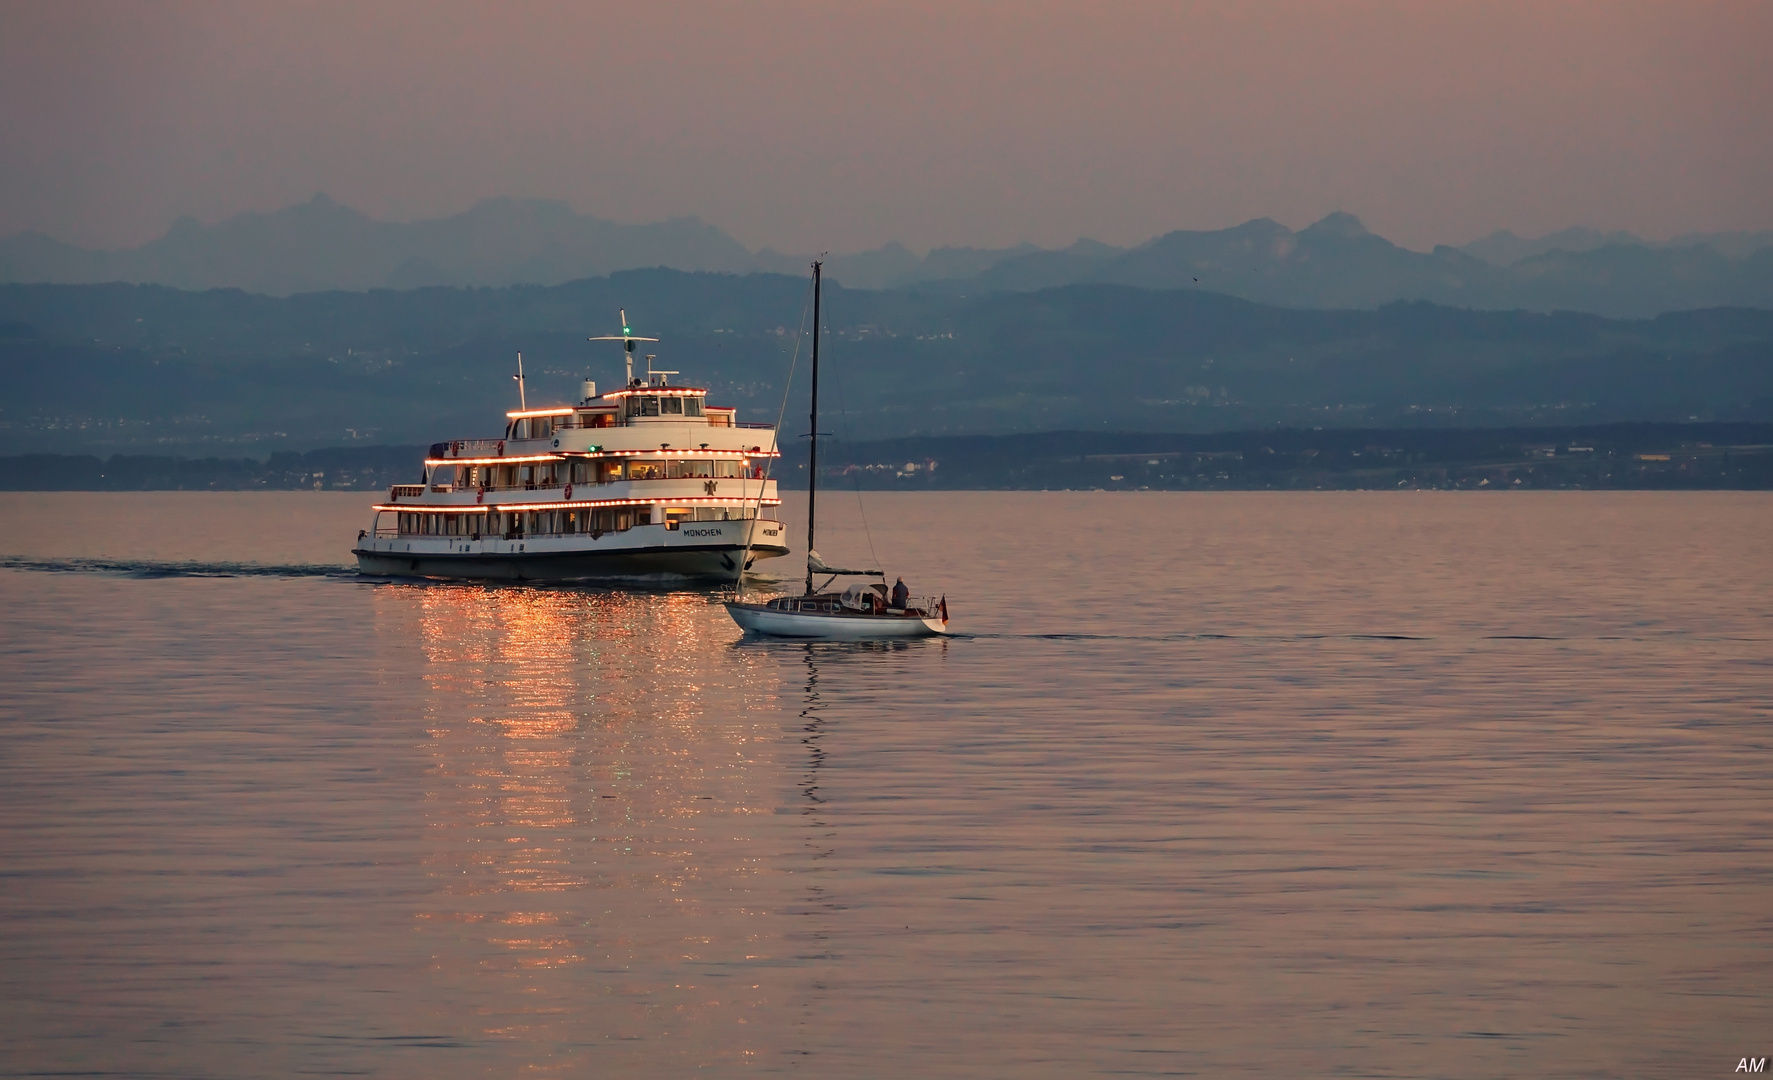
[[468, 448]]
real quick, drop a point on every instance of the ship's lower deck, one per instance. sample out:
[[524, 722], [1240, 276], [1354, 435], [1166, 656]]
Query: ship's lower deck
[[702, 551]]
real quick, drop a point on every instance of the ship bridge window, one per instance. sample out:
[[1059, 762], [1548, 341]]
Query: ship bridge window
[[671, 405], [643, 405], [692, 406]]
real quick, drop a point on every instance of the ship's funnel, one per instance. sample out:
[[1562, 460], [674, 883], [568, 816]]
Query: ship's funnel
[[587, 390]]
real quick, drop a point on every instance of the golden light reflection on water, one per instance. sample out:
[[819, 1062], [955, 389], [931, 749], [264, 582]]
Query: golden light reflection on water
[[602, 813]]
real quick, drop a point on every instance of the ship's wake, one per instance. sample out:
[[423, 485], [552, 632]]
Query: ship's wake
[[147, 569], [143, 569]]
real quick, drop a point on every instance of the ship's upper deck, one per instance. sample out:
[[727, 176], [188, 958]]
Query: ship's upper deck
[[648, 416]]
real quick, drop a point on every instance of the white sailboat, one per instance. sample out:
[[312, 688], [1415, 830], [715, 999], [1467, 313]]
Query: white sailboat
[[865, 611]]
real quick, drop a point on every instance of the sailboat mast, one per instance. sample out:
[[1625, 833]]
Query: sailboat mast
[[812, 486]]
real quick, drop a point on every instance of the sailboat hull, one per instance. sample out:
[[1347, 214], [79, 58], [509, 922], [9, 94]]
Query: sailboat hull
[[847, 626]]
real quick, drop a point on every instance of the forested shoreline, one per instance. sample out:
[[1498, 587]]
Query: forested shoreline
[[1613, 456]]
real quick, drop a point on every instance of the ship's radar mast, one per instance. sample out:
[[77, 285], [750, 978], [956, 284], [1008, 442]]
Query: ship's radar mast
[[627, 337]]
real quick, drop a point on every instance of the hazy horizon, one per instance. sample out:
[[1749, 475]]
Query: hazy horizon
[[793, 127]]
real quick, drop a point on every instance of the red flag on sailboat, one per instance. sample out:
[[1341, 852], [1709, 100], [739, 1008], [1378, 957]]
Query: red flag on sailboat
[[944, 607]]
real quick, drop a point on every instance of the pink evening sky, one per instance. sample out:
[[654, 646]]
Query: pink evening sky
[[844, 125]]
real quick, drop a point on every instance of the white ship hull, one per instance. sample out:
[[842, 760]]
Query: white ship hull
[[702, 551], [844, 626]]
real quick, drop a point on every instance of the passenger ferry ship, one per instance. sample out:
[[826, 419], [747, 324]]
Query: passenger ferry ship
[[649, 481]]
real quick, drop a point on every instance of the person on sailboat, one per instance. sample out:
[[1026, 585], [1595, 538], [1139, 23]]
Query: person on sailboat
[[901, 595]]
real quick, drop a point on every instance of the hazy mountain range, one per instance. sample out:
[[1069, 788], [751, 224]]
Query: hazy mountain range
[[1335, 263], [91, 368], [322, 245]]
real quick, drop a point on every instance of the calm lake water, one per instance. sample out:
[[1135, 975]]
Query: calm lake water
[[1369, 784]]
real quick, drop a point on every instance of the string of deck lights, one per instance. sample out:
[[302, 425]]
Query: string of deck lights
[[674, 391], [574, 504], [562, 455], [652, 391]]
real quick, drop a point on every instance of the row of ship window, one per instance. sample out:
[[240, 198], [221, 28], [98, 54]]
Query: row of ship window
[[559, 522], [542, 427], [556, 473]]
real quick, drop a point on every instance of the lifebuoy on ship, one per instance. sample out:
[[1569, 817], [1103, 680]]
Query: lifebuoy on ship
[[568, 493]]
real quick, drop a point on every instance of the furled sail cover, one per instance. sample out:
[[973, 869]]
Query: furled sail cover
[[817, 566]]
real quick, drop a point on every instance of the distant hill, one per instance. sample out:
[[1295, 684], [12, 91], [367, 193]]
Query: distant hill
[[121, 368], [1613, 456], [1335, 263]]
